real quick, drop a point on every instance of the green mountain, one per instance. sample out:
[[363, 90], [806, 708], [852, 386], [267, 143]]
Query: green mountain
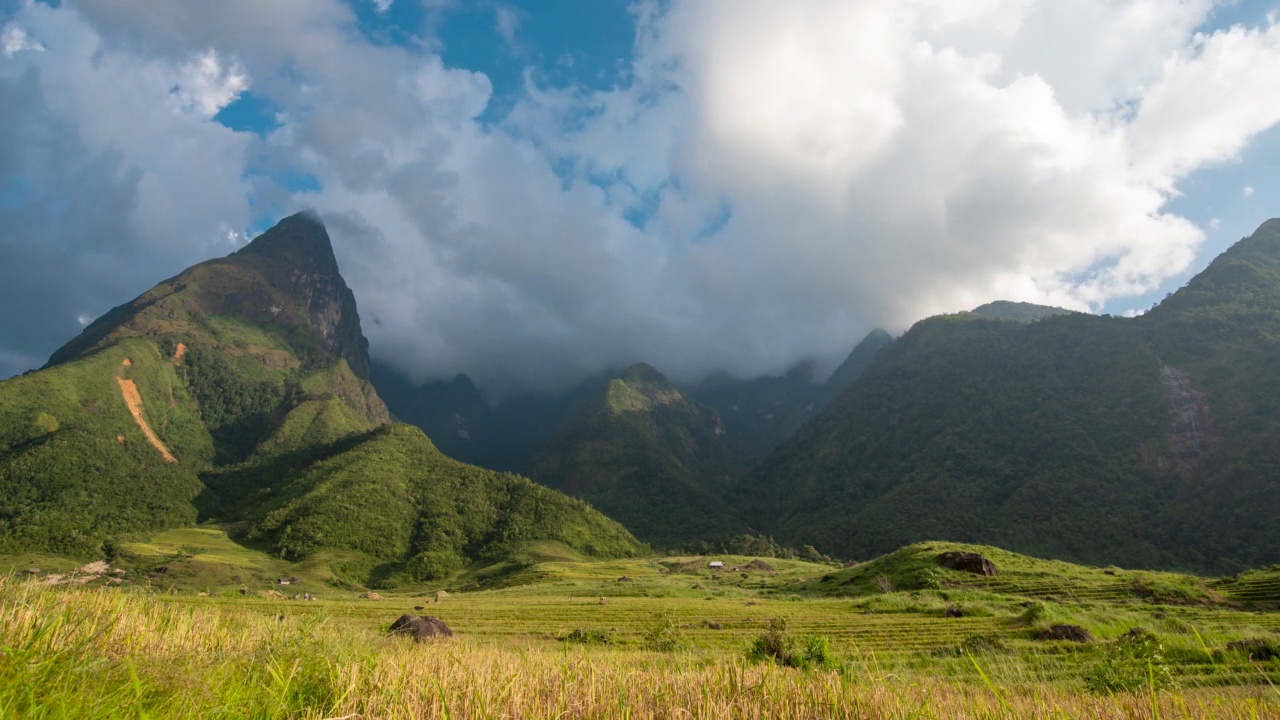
[[1152, 441], [1016, 311], [762, 412], [647, 455], [458, 418], [237, 391], [853, 367]]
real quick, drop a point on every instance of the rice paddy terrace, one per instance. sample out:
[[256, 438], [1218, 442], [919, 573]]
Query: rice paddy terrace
[[902, 613]]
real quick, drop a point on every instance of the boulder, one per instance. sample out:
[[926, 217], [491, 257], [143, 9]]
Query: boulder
[[1071, 633], [967, 562], [420, 627], [371, 596], [440, 595], [1256, 648], [953, 612]]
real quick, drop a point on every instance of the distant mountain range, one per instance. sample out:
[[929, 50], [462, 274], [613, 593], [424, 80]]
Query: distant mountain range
[[241, 391], [238, 391], [657, 458]]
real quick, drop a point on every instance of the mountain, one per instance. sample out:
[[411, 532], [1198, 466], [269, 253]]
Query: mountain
[[648, 456], [237, 391], [453, 414], [762, 412], [457, 417], [1022, 312], [853, 367], [1152, 441]]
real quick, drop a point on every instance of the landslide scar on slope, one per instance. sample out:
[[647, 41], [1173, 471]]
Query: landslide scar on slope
[[134, 400]]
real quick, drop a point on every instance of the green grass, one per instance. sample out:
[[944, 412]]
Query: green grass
[[546, 607]]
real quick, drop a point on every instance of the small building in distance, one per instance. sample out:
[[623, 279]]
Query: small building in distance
[[716, 565]]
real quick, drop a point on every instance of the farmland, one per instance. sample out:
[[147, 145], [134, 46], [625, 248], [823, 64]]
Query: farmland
[[551, 634]]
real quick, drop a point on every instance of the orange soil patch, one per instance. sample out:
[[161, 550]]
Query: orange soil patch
[[120, 439], [127, 362], [179, 352], [134, 400]]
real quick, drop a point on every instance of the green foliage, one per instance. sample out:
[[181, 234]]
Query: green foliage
[[1133, 661], [235, 407], [75, 469], [664, 634], [1016, 311], [649, 457], [1034, 614], [589, 637], [778, 646], [390, 495], [1143, 442]]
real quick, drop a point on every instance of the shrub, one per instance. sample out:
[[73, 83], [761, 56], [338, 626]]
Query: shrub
[[664, 634], [1133, 661], [590, 637], [1034, 613], [778, 646]]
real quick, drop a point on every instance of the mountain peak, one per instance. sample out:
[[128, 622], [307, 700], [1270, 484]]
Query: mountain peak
[[300, 241], [1023, 312], [642, 374], [288, 276]]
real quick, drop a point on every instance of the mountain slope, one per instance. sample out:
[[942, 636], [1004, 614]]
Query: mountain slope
[[853, 367], [1152, 441], [236, 391], [649, 457], [1016, 311], [763, 412]]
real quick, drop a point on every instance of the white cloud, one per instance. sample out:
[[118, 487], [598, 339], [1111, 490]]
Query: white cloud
[[1248, 190], [206, 85], [382, 5], [507, 21], [805, 170], [14, 40]]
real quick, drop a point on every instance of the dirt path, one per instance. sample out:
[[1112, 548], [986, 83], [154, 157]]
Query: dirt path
[[134, 400], [179, 352]]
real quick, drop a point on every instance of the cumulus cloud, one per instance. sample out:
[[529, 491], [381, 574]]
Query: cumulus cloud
[[770, 181]]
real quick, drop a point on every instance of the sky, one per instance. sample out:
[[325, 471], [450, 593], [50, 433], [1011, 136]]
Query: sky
[[532, 192]]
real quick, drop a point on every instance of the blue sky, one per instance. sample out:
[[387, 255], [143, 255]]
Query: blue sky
[[531, 191]]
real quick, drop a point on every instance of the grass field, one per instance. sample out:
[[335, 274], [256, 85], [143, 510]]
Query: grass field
[[548, 634]]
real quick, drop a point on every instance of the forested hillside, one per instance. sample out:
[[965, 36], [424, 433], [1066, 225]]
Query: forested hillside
[[1152, 441]]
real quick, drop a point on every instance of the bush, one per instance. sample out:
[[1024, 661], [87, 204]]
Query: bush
[[778, 646], [664, 634], [1034, 613], [590, 637], [1133, 661]]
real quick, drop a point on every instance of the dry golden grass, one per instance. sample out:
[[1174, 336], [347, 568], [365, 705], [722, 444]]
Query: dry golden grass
[[106, 654]]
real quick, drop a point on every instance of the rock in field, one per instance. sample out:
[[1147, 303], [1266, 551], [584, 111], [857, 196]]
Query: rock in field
[[967, 562], [420, 627], [1072, 633], [1256, 648]]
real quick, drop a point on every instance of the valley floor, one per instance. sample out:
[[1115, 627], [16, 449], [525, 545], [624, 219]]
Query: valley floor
[[556, 636]]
